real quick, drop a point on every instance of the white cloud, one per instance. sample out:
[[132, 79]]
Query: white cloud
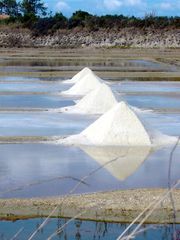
[[62, 6], [166, 6], [115, 4], [112, 4], [133, 2]]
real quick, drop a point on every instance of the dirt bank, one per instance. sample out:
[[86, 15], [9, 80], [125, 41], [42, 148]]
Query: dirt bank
[[124, 38], [116, 206]]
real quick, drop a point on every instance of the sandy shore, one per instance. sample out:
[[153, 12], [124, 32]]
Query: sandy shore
[[116, 206]]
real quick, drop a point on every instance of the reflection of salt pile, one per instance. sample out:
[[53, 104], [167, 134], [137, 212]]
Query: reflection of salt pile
[[86, 84], [121, 162], [79, 75], [98, 101], [118, 126]]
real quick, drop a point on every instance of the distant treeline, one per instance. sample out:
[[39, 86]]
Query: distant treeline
[[34, 15]]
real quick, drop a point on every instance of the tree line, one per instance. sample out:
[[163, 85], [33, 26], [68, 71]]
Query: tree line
[[34, 15]]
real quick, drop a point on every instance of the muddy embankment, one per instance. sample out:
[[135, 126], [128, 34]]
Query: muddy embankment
[[124, 38], [117, 206]]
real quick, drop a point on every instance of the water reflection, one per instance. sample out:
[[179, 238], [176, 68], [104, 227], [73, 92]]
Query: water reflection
[[80, 62], [29, 79], [110, 64], [81, 230], [43, 169], [121, 162]]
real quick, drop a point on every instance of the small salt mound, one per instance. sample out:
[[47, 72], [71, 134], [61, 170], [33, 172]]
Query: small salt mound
[[118, 126], [98, 101], [159, 139], [121, 162], [86, 84], [79, 75], [139, 110]]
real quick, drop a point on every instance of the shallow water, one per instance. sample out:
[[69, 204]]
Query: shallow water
[[36, 170], [42, 123], [85, 230], [157, 103], [32, 87], [27, 79], [34, 101], [157, 96], [163, 87], [111, 62]]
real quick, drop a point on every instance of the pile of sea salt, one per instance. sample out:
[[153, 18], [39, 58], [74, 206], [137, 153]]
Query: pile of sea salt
[[84, 85], [119, 126], [98, 101], [78, 76]]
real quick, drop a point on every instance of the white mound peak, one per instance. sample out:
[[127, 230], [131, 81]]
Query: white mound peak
[[85, 84], [79, 75], [118, 126], [98, 101], [121, 162]]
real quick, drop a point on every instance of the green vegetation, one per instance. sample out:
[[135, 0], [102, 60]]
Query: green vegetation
[[33, 15]]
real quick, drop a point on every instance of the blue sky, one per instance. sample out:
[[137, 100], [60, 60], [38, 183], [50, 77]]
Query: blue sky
[[127, 7]]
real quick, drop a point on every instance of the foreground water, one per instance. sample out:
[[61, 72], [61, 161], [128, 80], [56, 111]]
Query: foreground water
[[85, 230]]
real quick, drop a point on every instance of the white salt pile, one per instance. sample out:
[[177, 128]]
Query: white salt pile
[[86, 84], [98, 101], [121, 162], [118, 126], [78, 76]]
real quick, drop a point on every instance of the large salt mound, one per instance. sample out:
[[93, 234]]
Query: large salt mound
[[79, 75], [86, 84], [121, 162], [98, 101], [118, 126]]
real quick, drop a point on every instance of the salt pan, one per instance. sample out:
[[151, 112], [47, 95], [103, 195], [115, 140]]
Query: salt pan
[[98, 101]]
